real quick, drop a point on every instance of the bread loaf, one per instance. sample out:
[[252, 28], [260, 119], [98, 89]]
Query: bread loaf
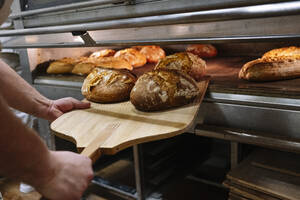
[[103, 53], [202, 50], [277, 64], [86, 67], [162, 89], [132, 56], [108, 85], [184, 62], [63, 66], [153, 53]]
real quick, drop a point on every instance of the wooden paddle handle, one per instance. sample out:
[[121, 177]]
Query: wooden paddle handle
[[92, 151]]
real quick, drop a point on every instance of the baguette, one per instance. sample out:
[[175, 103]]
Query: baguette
[[277, 64]]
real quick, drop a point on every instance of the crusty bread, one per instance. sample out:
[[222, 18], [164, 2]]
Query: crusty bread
[[202, 50], [103, 53], [112, 62], [86, 67], [162, 89], [277, 64], [184, 62], [63, 66], [133, 56], [83, 68], [153, 53], [284, 53], [108, 85]]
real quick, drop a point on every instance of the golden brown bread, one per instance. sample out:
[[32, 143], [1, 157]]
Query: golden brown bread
[[108, 85], [153, 53], [103, 53], [162, 89], [284, 53], [202, 50], [86, 67], [184, 62], [277, 64], [64, 65], [133, 56]]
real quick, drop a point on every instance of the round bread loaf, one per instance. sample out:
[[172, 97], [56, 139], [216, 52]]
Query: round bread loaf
[[185, 62], [108, 85], [162, 89], [202, 50], [133, 56]]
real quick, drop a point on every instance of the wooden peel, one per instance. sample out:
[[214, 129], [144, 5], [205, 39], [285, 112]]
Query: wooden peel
[[109, 128]]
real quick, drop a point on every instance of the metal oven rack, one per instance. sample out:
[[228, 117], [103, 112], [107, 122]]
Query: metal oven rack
[[237, 117]]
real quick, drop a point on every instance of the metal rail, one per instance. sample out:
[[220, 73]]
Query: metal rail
[[263, 38], [64, 8], [259, 11], [248, 137]]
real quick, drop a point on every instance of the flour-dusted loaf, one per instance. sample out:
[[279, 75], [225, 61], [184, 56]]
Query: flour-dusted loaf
[[184, 62], [162, 89], [277, 64], [108, 85]]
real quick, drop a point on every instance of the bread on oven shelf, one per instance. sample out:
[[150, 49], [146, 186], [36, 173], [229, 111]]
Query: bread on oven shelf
[[277, 64]]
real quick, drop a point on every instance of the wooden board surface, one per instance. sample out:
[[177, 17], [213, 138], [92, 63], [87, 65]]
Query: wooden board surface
[[282, 162], [247, 192], [275, 184], [130, 126]]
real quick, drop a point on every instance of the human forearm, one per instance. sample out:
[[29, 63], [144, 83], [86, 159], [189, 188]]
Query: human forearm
[[21, 95], [24, 156]]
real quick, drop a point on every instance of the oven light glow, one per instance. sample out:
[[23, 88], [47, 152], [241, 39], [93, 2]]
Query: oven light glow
[[77, 39]]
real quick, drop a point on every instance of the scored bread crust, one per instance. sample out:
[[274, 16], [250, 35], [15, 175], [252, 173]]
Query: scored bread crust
[[108, 85], [162, 89], [153, 53], [262, 70], [185, 62], [277, 64], [86, 67], [133, 56], [285, 53], [103, 53]]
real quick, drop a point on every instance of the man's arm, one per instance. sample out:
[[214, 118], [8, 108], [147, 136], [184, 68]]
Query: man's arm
[[22, 96], [24, 157]]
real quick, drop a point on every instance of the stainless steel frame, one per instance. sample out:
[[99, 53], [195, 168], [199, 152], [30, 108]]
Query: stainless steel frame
[[63, 8], [238, 118], [248, 12]]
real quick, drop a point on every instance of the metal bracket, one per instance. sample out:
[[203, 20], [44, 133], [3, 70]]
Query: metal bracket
[[85, 36], [130, 2]]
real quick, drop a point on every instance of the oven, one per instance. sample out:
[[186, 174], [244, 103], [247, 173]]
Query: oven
[[265, 114]]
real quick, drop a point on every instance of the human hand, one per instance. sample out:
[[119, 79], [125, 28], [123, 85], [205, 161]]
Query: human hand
[[73, 173], [60, 106]]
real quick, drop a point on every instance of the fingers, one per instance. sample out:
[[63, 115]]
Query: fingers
[[79, 104]]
